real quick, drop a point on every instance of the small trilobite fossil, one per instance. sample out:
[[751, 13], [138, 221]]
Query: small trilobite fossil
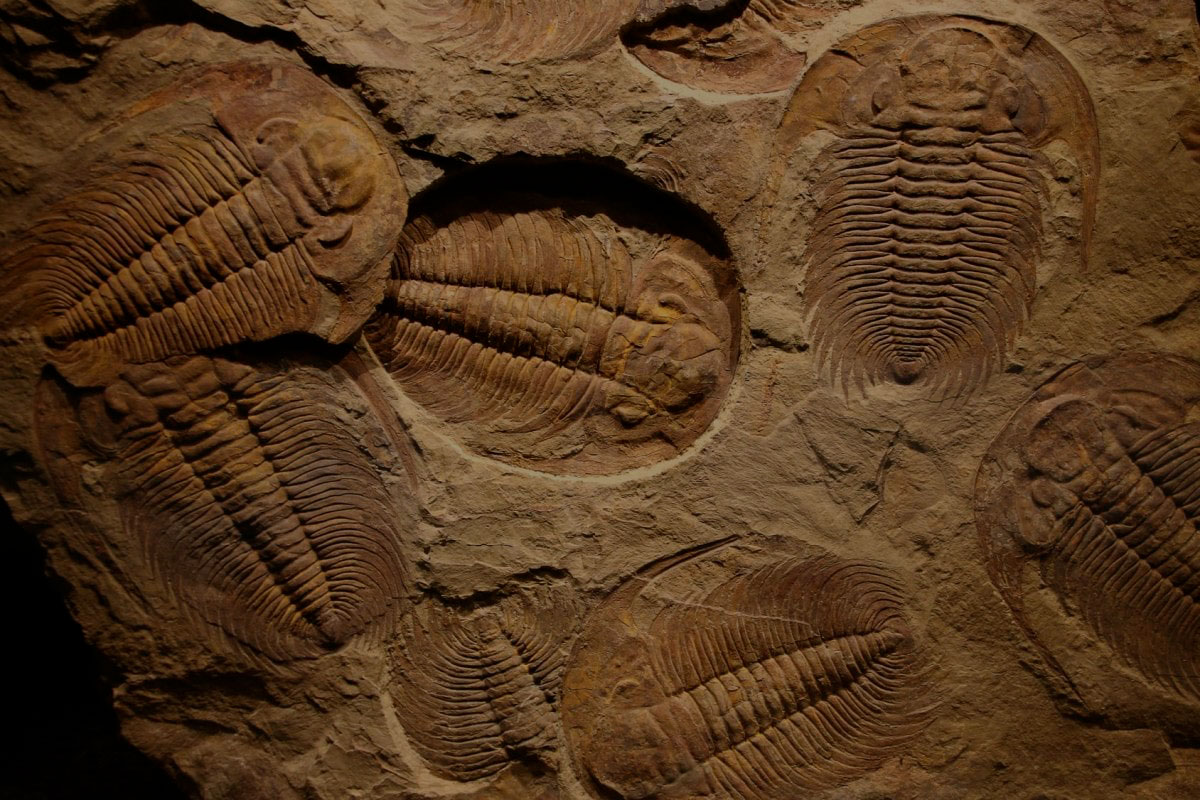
[[476, 690], [253, 501], [734, 46], [1096, 482], [531, 319], [922, 257], [517, 30], [790, 677], [274, 219]]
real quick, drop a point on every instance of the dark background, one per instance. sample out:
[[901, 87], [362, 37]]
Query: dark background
[[63, 737]]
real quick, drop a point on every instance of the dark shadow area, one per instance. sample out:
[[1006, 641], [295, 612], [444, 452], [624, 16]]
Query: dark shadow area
[[64, 741], [695, 17]]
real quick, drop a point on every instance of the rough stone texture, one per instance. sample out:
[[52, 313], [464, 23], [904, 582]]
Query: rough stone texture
[[799, 395]]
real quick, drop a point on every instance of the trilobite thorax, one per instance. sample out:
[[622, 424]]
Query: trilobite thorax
[[790, 677], [1105, 497], [922, 257], [536, 322], [254, 501], [274, 219], [477, 690]]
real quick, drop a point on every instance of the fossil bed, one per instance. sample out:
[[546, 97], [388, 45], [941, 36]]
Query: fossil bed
[[669, 399]]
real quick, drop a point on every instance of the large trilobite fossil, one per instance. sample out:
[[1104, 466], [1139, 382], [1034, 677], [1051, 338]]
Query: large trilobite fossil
[[248, 490], [790, 677], [478, 688], [1093, 489], [273, 217], [563, 331], [921, 261]]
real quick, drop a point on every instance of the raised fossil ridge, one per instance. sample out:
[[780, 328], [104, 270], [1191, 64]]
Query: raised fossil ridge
[[922, 257], [795, 676], [1096, 482], [535, 324], [253, 503], [275, 219], [479, 689]]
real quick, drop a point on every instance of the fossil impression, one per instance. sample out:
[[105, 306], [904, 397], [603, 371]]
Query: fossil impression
[[792, 677], [922, 258], [730, 46], [1096, 483], [476, 690], [536, 324], [253, 503], [518, 30], [274, 219]]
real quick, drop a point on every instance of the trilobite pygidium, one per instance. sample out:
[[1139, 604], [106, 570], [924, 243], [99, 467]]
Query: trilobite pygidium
[[922, 257], [569, 333], [477, 689], [1096, 481], [253, 498], [790, 677], [274, 217]]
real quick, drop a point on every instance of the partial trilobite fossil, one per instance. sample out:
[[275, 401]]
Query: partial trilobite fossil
[[567, 339], [518, 30], [274, 218], [791, 677], [734, 46], [477, 689], [922, 258], [253, 499], [1095, 483]]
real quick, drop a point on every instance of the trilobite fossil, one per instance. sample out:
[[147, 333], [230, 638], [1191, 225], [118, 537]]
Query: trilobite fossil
[[565, 339], [273, 219], [476, 689], [253, 500], [517, 30], [1095, 483], [790, 677], [734, 46], [922, 257]]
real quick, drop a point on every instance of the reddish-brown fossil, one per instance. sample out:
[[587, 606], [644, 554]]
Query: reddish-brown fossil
[[253, 502], [478, 688], [922, 258], [1096, 483], [529, 319], [794, 676], [276, 218]]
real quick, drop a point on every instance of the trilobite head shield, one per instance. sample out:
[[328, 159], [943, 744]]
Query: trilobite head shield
[[671, 353], [927, 69]]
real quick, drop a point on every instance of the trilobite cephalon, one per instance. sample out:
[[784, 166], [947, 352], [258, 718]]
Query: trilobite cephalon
[[476, 689], [569, 334], [922, 257], [790, 677], [729, 46], [249, 489], [275, 218], [1094, 488]]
